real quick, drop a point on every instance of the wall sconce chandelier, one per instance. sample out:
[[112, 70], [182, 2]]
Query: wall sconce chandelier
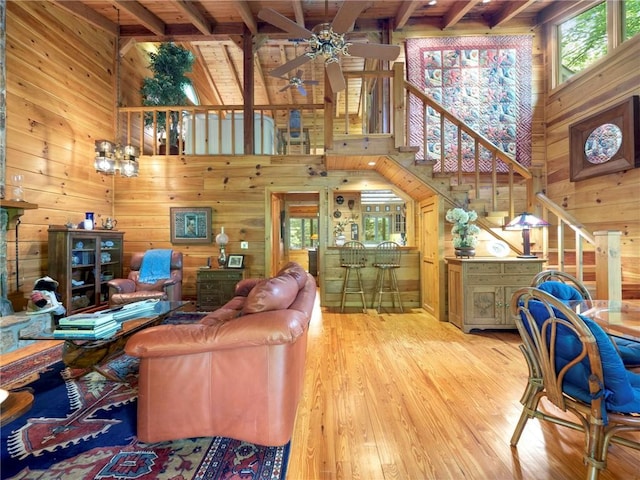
[[525, 222], [110, 157]]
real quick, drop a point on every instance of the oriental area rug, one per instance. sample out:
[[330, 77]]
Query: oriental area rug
[[485, 81], [85, 428]]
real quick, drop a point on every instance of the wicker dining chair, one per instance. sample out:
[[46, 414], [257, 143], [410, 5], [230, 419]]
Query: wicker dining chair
[[573, 363], [559, 276], [568, 288]]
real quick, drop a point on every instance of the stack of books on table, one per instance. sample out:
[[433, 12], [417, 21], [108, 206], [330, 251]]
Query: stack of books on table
[[134, 310], [90, 326]]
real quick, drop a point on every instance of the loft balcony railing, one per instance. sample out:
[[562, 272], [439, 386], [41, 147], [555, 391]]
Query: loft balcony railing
[[220, 130]]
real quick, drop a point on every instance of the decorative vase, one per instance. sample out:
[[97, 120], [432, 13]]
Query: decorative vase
[[465, 252], [340, 240], [88, 221]]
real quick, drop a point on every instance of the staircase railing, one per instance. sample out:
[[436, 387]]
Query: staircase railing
[[605, 244]]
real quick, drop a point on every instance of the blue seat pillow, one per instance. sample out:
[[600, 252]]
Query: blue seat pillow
[[621, 386], [629, 350]]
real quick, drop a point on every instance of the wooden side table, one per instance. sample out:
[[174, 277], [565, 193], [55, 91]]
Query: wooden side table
[[216, 287], [15, 405]]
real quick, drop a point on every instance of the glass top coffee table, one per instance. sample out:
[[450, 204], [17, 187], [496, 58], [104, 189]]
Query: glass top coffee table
[[91, 354]]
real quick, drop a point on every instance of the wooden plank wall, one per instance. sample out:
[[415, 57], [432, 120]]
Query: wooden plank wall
[[235, 188], [60, 98], [607, 202]]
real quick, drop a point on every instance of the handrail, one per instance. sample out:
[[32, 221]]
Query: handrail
[[133, 130]]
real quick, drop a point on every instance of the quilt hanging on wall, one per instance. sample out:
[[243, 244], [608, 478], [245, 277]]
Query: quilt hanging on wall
[[485, 82]]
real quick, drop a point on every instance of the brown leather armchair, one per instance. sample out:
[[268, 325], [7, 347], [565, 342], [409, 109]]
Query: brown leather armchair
[[127, 290]]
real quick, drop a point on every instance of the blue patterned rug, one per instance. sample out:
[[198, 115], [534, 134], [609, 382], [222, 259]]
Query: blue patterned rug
[[85, 428]]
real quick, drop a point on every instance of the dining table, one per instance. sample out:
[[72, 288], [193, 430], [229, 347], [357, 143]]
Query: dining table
[[617, 317]]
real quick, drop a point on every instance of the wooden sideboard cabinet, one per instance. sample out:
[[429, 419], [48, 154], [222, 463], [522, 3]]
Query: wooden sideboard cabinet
[[480, 290], [82, 262], [216, 287]]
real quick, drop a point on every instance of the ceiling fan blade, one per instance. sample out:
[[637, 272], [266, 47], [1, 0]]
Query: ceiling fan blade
[[284, 88], [283, 23], [347, 14], [374, 50], [299, 74], [287, 67], [336, 79], [302, 90]]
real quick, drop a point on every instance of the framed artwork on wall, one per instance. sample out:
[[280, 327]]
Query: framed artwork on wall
[[606, 142], [190, 225]]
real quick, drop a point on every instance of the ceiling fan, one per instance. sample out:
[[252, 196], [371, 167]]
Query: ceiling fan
[[327, 40], [297, 82]]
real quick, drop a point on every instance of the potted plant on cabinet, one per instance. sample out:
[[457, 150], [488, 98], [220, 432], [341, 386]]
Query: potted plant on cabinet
[[166, 88], [464, 231]]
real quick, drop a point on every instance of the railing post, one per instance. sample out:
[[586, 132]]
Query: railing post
[[399, 113], [608, 265]]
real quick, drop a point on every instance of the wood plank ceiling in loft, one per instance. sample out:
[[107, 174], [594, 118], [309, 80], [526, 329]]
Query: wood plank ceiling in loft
[[213, 30]]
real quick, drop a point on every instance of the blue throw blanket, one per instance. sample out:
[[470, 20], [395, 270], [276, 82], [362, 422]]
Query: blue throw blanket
[[156, 265]]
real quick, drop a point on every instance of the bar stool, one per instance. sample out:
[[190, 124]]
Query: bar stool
[[386, 261], [353, 256]]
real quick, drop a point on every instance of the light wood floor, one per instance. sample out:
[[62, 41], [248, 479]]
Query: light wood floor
[[403, 396]]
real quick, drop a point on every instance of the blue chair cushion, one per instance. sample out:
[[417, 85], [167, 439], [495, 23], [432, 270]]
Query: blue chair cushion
[[629, 351], [621, 387], [561, 291]]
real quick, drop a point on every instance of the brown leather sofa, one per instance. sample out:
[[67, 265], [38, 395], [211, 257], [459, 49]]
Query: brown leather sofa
[[127, 290], [238, 373]]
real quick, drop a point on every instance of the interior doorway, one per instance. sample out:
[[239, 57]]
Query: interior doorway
[[295, 230]]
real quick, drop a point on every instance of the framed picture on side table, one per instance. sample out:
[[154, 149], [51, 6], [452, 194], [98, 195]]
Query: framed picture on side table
[[235, 261]]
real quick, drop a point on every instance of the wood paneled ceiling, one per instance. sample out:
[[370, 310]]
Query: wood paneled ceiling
[[214, 31]]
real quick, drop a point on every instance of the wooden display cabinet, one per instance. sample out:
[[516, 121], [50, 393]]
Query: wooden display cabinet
[[83, 261], [480, 290], [216, 287]]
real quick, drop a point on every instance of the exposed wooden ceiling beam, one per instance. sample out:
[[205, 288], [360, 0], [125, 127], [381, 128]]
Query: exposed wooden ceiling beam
[[144, 16], [194, 16], [297, 11], [457, 11], [263, 79], [125, 46], [232, 68], [247, 17], [212, 83], [511, 10], [283, 60], [80, 10], [404, 13], [558, 10]]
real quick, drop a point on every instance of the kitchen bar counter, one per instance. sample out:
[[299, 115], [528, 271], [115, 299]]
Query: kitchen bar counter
[[332, 275]]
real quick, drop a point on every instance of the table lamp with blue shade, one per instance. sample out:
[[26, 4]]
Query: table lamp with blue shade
[[526, 221]]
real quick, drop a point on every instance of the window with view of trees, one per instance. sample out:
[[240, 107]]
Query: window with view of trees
[[302, 232], [585, 38], [377, 228]]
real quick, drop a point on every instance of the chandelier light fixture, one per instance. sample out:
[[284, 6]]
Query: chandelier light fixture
[[112, 156]]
